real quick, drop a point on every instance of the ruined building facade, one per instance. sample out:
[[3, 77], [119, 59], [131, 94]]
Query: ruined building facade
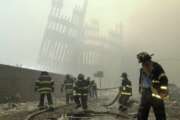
[[72, 46]]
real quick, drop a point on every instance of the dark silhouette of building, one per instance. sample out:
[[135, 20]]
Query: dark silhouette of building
[[19, 81]]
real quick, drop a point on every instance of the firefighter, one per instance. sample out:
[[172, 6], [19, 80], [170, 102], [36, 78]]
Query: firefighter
[[81, 92], [125, 92], [45, 86], [94, 89], [153, 86], [88, 79], [90, 87], [68, 86]]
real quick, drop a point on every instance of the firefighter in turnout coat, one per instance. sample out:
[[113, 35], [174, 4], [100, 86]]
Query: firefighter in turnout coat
[[81, 89], [68, 86], [153, 85], [45, 86], [125, 92]]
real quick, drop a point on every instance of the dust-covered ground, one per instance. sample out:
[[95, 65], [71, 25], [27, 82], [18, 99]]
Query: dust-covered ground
[[21, 110]]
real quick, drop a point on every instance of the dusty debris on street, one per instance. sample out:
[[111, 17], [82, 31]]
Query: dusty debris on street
[[96, 110]]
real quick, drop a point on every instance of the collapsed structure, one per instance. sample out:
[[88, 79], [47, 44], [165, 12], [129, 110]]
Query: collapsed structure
[[71, 46]]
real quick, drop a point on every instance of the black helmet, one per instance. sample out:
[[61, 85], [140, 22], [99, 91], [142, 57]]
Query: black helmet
[[144, 57], [44, 73], [80, 77], [124, 75], [88, 78], [67, 76]]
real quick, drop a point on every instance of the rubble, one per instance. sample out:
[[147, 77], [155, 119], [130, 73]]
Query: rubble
[[172, 107], [174, 92], [173, 104], [13, 108]]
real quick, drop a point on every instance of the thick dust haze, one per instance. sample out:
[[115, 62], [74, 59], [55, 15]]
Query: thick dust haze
[[147, 25]]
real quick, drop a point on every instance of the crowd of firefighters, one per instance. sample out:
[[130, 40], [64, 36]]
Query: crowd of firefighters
[[153, 87], [76, 89]]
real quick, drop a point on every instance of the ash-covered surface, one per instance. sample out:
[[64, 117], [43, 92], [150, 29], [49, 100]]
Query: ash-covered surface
[[20, 111], [12, 111], [173, 104]]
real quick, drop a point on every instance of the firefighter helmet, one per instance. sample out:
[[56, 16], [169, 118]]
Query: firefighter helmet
[[124, 75], [88, 78], [80, 77], [68, 76], [144, 57], [44, 73]]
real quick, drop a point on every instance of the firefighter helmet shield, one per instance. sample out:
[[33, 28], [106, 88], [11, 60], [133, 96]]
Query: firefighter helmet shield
[[144, 57]]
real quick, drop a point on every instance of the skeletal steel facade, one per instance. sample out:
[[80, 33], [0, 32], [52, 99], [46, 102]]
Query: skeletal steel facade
[[71, 46]]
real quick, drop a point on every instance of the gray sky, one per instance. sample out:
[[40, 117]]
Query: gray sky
[[22, 24], [150, 25], [155, 27]]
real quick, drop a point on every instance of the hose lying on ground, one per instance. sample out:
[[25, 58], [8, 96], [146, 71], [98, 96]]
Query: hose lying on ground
[[115, 99]]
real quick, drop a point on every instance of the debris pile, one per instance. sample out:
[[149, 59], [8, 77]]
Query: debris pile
[[174, 92], [13, 108], [173, 104]]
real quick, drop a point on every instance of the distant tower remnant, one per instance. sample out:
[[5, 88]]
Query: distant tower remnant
[[71, 46], [62, 38]]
